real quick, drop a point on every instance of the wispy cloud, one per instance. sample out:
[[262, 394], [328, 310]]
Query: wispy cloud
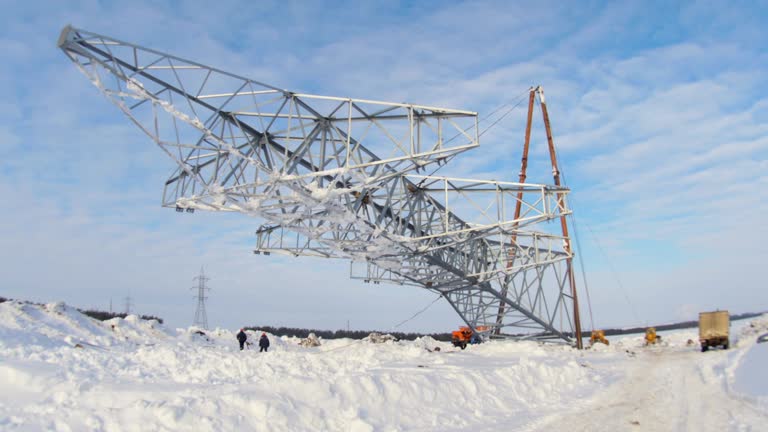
[[659, 114]]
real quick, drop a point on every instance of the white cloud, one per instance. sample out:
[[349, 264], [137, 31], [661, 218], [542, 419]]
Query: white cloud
[[662, 142]]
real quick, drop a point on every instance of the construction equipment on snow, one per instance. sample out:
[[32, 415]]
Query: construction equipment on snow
[[651, 338], [713, 329], [464, 336], [598, 336]]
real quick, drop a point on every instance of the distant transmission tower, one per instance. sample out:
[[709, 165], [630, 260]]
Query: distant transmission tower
[[201, 317], [127, 305]]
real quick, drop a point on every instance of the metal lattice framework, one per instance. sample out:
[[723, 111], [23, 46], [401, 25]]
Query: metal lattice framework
[[341, 178], [201, 316]]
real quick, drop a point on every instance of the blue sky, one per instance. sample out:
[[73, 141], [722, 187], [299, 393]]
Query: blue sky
[[659, 111]]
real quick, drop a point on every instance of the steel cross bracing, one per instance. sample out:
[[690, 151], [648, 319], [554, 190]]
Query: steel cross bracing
[[340, 178]]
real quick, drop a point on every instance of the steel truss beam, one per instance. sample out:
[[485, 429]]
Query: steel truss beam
[[339, 178]]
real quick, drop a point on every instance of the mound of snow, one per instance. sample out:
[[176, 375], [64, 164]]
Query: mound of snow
[[379, 338], [755, 328], [751, 375], [138, 372], [31, 328], [750, 369], [310, 341], [131, 371]]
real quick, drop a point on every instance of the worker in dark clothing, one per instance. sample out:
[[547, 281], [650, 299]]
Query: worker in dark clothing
[[263, 342], [242, 337]]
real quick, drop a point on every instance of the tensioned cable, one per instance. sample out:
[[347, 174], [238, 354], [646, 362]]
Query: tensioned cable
[[519, 100], [391, 328], [502, 117], [581, 260], [575, 237], [419, 312], [490, 114], [615, 275], [581, 265]]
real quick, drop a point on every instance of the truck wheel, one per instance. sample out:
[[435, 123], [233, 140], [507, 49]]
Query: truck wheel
[[704, 348], [463, 345], [725, 346]]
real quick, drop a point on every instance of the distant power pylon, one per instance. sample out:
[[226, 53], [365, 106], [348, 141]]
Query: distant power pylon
[[127, 305], [201, 317]]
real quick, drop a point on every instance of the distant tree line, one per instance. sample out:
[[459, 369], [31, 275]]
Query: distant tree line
[[360, 334], [103, 316], [674, 326], [94, 313], [338, 334], [446, 337]]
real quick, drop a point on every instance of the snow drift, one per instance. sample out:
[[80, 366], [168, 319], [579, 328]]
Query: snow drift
[[132, 374], [64, 371]]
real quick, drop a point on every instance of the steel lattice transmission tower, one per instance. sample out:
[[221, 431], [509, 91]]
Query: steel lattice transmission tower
[[338, 177], [128, 304], [201, 317]]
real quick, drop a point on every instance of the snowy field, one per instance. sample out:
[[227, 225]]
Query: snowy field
[[62, 371]]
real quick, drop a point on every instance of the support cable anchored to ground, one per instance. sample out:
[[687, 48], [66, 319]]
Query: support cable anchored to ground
[[578, 250], [391, 328], [607, 260], [581, 265], [418, 313], [615, 275]]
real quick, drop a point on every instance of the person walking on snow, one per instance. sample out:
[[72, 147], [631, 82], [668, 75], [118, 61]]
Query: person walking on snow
[[263, 343], [242, 337]]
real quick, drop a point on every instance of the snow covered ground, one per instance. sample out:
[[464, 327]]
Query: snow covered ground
[[60, 370]]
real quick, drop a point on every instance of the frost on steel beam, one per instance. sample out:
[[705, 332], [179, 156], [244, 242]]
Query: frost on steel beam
[[339, 178]]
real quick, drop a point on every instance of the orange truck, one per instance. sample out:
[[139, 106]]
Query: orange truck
[[464, 336]]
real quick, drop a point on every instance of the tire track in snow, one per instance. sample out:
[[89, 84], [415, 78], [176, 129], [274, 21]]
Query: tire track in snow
[[676, 391]]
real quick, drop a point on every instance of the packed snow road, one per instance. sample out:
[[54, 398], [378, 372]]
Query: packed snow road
[[62, 371], [664, 390]]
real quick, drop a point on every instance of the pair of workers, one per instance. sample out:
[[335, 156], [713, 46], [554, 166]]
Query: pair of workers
[[263, 341]]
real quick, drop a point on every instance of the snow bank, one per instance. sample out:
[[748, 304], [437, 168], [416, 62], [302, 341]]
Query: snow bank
[[61, 370], [64, 371], [751, 376], [748, 370]]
